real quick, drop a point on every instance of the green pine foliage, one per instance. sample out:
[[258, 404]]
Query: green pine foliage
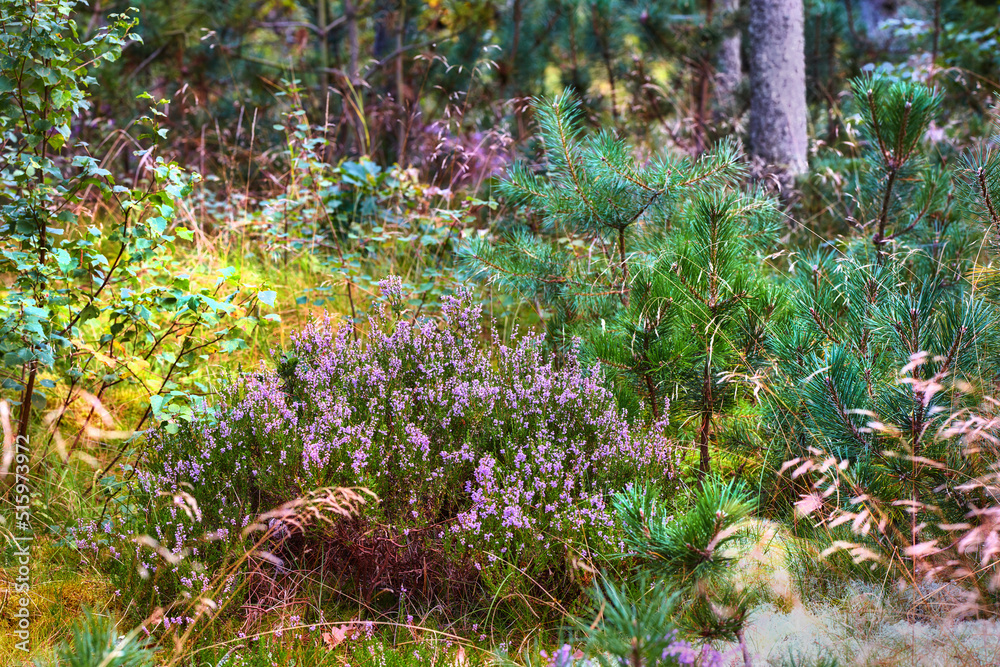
[[96, 643], [981, 196], [635, 624], [598, 203], [899, 190], [725, 303], [692, 554], [885, 327], [657, 266], [688, 549]]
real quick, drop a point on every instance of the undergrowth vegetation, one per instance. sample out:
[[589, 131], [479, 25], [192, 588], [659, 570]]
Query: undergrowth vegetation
[[454, 379], [490, 466]]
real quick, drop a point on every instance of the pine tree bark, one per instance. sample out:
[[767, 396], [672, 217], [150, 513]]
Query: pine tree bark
[[730, 69], [778, 85]]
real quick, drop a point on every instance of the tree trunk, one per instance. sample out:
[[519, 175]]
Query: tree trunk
[[324, 49], [936, 35], [872, 13], [747, 661], [778, 85], [401, 86], [25, 416], [701, 92], [351, 16], [515, 44], [730, 69]]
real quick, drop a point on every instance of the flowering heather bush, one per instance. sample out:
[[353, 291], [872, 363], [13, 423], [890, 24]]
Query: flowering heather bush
[[490, 454]]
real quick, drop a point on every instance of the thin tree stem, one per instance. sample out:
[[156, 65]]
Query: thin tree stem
[[623, 260], [704, 432], [29, 388], [747, 661]]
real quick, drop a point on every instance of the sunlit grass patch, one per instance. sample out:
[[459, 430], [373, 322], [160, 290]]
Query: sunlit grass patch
[[59, 592]]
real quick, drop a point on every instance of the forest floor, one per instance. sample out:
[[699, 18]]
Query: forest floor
[[862, 631]]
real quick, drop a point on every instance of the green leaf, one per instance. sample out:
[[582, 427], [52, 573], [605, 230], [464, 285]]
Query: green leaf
[[32, 311], [63, 259], [89, 312], [158, 225], [156, 404], [268, 297], [38, 400]]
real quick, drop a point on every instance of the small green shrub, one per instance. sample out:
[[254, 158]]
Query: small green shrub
[[96, 642], [96, 301], [693, 554]]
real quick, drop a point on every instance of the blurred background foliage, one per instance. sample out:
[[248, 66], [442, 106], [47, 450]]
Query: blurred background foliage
[[420, 83]]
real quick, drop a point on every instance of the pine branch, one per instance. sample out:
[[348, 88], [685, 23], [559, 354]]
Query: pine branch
[[987, 200], [822, 326], [875, 122], [952, 353], [841, 411], [920, 214], [570, 159], [552, 280]]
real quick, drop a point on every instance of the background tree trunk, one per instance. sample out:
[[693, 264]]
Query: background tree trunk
[[324, 48], [730, 67], [778, 85], [351, 16], [872, 13]]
